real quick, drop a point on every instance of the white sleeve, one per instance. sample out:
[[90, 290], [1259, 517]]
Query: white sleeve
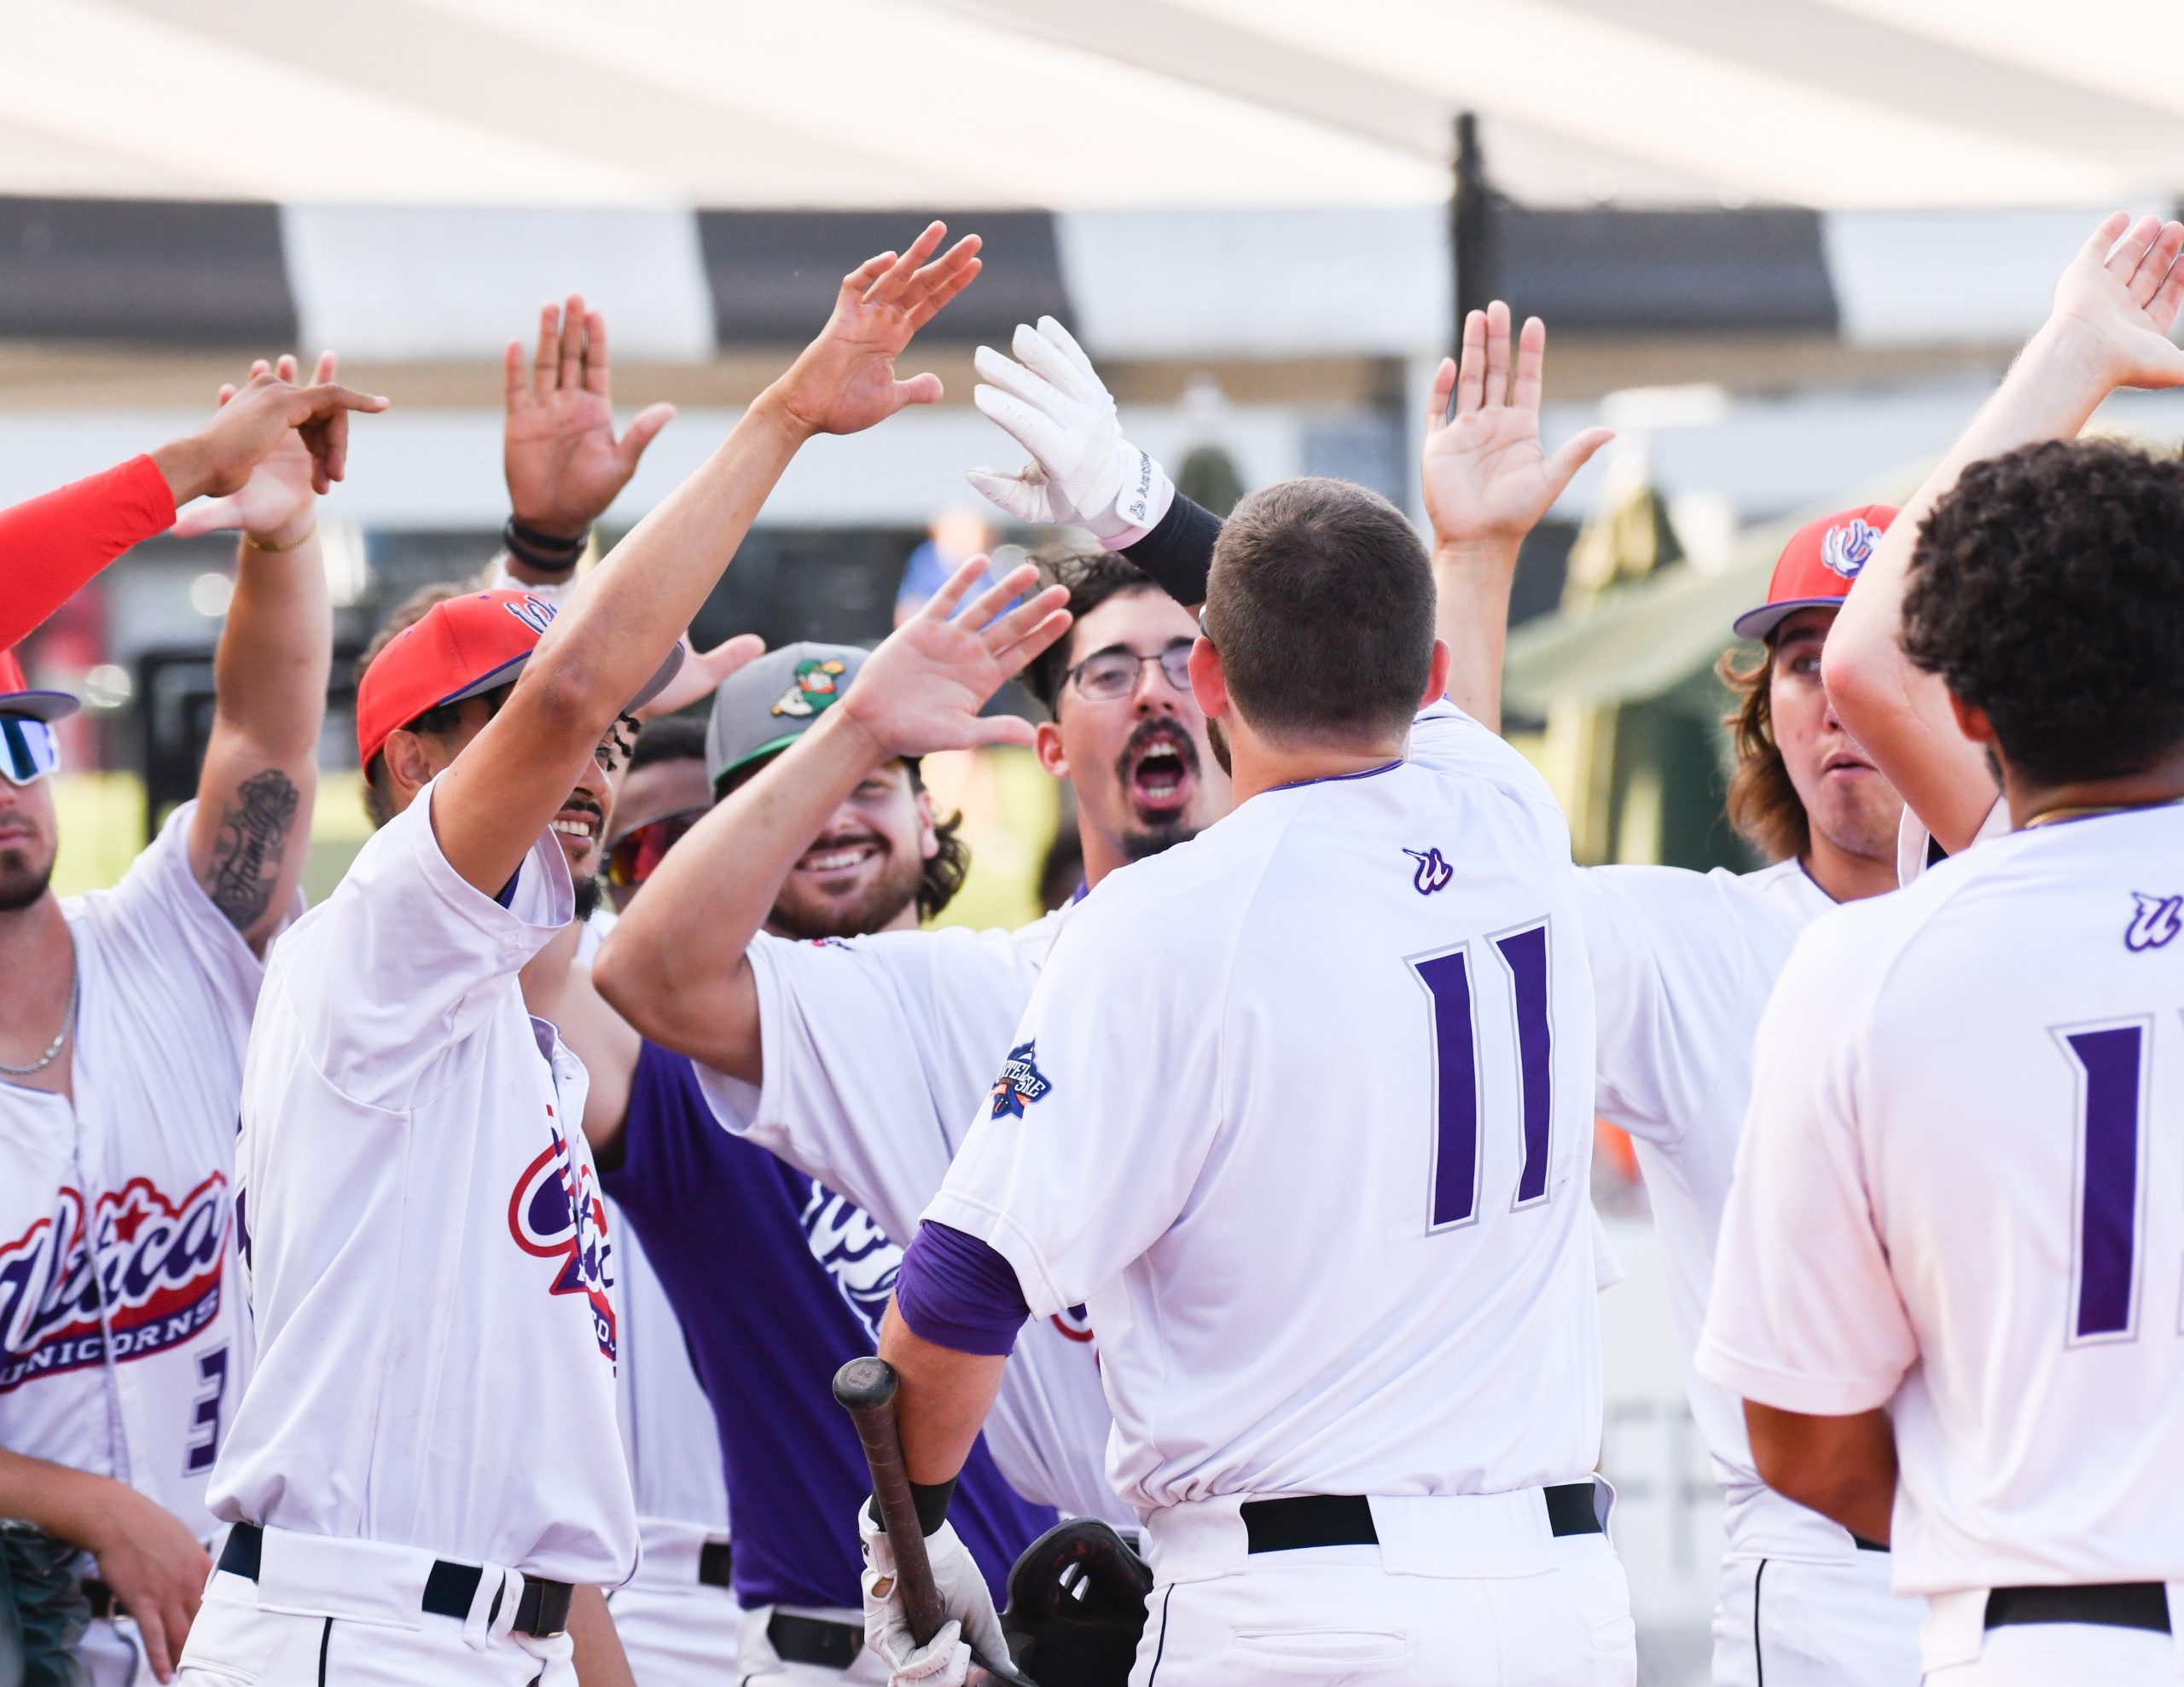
[[404, 961], [1804, 1315], [1914, 844], [158, 923], [1082, 1157], [874, 1051]]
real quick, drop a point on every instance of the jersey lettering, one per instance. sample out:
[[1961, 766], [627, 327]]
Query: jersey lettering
[[156, 1282], [1454, 1181], [205, 1449], [2111, 1062], [854, 1252]]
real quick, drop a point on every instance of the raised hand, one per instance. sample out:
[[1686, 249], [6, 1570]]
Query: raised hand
[[700, 674], [259, 416], [922, 689], [2119, 298], [558, 448], [844, 380], [277, 505], [1485, 477], [1082, 473]]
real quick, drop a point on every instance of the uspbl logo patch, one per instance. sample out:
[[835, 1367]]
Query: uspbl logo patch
[[1020, 1083], [2158, 920], [1848, 549], [1432, 871]]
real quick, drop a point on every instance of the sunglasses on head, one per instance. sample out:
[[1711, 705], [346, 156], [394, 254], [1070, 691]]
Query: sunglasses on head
[[28, 750], [631, 857]]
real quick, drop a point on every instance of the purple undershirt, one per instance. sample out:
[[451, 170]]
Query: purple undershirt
[[957, 1292]]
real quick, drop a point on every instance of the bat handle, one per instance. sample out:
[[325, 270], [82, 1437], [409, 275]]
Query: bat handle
[[866, 1388]]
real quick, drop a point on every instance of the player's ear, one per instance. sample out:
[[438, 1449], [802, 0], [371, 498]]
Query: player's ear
[[1436, 677], [409, 764], [1208, 684], [1971, 721], [928, 830], [1046, 744]]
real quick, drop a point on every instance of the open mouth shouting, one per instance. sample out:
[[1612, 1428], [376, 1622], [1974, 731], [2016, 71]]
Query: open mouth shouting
[[1157, 768]]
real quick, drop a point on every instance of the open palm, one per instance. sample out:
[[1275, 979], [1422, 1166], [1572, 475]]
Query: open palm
[[276, 503], [1485, 474], [558, 448], [844, 380], [2124, 290], [922, 689]]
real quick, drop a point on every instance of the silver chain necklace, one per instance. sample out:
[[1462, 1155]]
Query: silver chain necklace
[[67, 1024]]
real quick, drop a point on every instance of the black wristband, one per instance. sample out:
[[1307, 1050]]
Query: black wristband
[[931, 1501], [548, 552], [1177, 554]]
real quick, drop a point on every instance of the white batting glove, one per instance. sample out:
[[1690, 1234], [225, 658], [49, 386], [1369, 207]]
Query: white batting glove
[[1082, 473], [945, 1661]]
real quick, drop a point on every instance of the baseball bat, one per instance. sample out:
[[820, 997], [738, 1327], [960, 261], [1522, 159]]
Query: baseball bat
[[866, 1388]]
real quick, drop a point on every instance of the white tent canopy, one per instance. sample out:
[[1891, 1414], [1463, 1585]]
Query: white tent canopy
[[1138, 103]]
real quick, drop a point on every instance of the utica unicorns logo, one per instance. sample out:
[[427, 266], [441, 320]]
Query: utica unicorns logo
[[1848, 547], [855, 1252], [554, 1217], [158, 1273]]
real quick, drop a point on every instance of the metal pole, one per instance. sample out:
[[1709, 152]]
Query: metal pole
[[1471, 226]]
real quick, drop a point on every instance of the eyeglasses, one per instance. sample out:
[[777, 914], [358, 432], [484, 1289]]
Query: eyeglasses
[[27, 749], [631, 857], [1110, 674]]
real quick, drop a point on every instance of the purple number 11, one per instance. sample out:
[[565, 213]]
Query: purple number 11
[[2111, 1061], [1456, 1090]]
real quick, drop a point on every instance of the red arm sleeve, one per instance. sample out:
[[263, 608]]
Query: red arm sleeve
[[52, 544]]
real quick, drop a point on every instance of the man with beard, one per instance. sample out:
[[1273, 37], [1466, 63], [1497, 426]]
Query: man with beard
[[1683, 963], [123, 1014], [860, 1059]]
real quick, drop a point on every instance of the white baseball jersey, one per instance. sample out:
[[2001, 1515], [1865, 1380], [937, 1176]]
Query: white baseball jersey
[[1301, 1109], [428, 1259], [668, 1432], [1914, 844], [877, 1051], [130, 1187], [1961, 1195], [1682, 964]]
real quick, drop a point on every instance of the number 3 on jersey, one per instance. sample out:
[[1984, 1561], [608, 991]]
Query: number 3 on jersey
[[1450, 988]]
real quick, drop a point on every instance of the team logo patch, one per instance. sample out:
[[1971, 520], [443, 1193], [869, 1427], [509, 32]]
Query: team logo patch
[[817, 684], [534, 612], [854, 1252], [1020, 1083], [1433, 874], [555, 1213], [2156, 922], [1073, 1323], [159, 1262], [1846, 549]]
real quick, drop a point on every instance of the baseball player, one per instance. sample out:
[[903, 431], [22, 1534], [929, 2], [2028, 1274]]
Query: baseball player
[[776, 1278], [2108, 329], [1949, 1291], [1682, 962], [1317, 1173], [123, 1017], [417, 1461], [861, 1061]]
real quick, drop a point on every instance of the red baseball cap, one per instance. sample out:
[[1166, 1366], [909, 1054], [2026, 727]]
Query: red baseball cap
[[458, 649], [1816, 567], [16, 696]]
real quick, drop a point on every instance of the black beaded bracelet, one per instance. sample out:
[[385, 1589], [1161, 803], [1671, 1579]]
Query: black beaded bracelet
[[548, 552]]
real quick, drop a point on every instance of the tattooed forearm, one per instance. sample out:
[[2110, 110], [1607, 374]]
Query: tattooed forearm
[[252, 844]]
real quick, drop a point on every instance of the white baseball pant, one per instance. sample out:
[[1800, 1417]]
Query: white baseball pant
[[1786, 1622], [1961, 1651], [1460, 1592], [761, 1665], [676, 1629], [352, 1612]]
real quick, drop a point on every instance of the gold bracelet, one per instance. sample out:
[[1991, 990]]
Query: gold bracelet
[[258, 544]]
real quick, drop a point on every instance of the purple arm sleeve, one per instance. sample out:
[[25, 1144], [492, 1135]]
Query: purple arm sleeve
[[957, 1292]]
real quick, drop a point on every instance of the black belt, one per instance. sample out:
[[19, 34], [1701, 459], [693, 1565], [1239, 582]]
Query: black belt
[[1346, 1519], [714, 1558], [1865, 1545], [99, 1598], [814, 1640], [2112, 1604], [450, 1590]]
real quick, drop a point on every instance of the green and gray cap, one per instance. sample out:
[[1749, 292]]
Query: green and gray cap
[[765, 707]]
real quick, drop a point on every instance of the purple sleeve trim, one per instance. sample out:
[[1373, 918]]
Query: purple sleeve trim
[[954, 1291]]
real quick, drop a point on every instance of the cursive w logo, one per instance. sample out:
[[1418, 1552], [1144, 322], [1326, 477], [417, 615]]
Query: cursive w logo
[[1432, 871], [2158, 920]]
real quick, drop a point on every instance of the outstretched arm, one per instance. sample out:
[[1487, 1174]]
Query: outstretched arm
[[613, 634], [1487, 482], [2109, 328], [674, 964], [50, 546], [252, 829]]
